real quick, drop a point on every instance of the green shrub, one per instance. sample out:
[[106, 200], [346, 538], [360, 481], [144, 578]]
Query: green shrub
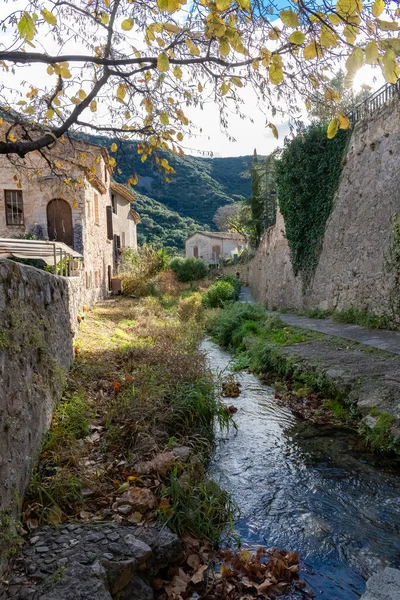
[[188, 269], [219, 293], [225, 323]]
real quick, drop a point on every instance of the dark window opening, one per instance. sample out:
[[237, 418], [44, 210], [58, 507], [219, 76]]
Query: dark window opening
[[195, 251], [14, 207], [114, 203], [110, 234]]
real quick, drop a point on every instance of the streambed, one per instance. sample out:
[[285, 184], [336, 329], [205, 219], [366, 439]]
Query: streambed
[[308, 489]]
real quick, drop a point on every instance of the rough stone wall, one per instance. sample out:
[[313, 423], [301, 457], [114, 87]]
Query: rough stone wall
[[35, 350], [352, 269]]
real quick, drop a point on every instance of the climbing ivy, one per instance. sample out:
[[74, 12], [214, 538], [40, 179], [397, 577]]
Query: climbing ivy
[[308, 175]]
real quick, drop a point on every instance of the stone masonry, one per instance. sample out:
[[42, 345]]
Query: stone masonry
[[100, 561], [353, 268]]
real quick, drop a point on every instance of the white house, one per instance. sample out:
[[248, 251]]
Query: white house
[[213, 246]]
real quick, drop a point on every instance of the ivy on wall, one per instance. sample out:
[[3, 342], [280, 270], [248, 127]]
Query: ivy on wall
[[308, 175]]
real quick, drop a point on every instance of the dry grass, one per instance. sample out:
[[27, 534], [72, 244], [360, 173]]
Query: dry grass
[[138, 384]]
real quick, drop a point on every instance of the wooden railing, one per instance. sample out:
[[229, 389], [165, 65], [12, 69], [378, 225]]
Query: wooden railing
[[375, 101]]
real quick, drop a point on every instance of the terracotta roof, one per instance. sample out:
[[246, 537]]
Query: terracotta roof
[[135, 216], [220, 235], [123, 191]]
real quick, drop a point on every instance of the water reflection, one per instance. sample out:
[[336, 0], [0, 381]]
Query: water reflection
[[307, 489]]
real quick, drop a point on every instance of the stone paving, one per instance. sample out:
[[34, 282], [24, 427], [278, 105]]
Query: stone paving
[[92, 562]]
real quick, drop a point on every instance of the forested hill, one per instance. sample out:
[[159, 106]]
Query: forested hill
[[171, 211]]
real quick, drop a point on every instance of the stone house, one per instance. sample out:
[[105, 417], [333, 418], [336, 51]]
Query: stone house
[[213, 246], [86, 209]]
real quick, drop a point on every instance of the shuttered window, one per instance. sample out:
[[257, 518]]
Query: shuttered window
[[14, 207], [196, 251], [109, 222]]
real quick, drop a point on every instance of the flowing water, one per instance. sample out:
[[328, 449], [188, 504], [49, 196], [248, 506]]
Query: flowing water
[[307, 489]]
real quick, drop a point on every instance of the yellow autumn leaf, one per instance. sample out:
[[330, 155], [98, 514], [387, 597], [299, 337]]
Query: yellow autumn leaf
[[289, 18], [275, 74], [12, 137], [378, 7], [104, 18], [310, 51], [237, 81], [164, 119], [345, 8], [49, 17], [113, 147], [112, 162], [224, 47], [245, 5], [390, 44], [274, 130], [121, 91], [180, 136], [328, 38], [225, 87], [178, 72], [335, 19], [344, 122], [199, 87], [297, 37], [1, 121], [331, 94], [371, 53], [245, 555], [222, 4], [389, 66], [355, 61], [274, 33], [49, 113], [50, 70], [265, 56], [93, 106], [388, 25], [74, 202], [163, 62], [215, 26], [26, 27], [127, 24], [82, 94], [332, 128]]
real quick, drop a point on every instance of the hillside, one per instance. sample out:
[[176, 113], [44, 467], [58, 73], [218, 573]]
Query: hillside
[[173, 210], [160, 226]]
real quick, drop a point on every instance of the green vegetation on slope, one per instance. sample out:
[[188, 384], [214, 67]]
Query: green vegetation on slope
[[198, 188], [161, 227]]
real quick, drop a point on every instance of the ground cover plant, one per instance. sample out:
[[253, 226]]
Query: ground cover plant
[[131, 437]]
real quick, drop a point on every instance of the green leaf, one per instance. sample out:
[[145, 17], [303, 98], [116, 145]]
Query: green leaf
[[49, 17], [163, 62], [26, 27]]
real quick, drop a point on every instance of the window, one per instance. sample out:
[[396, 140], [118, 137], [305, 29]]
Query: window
[[105, 173], [14, 207], [96, 209], [109, 222], [114, 203], [196, 251], [216, 250], [123, 239]]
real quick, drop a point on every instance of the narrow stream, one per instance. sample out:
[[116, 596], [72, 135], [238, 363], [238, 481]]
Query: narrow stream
[[307, 489]]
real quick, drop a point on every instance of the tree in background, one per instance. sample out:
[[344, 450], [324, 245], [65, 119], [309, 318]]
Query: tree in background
[[130, 68], [227, 217], [323, 107]]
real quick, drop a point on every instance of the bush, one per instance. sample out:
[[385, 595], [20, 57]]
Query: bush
[[139, 267], [191, 307], [218, 294], [188, 269], [225, 325]]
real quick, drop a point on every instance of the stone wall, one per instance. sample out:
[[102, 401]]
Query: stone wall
[[35, 351], [352, 269]]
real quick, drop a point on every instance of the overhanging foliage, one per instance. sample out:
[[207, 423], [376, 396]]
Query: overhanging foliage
[[308, 175]]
